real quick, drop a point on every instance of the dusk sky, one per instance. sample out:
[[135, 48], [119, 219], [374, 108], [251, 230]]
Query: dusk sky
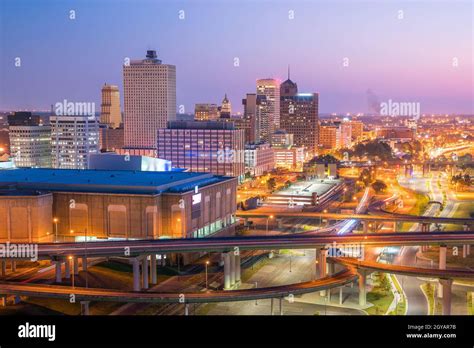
[[409, 59]]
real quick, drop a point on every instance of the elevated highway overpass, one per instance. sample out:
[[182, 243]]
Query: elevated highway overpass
[[384, 217], [224, 244]]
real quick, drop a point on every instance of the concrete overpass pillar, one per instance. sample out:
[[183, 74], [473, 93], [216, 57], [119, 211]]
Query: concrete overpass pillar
[[67, 269], [226, 271], [280, 223], [442, 257], [145, 272], [75, 265], [58, 271], [237, 269], [464, 251], [85, 307], [84, 264], [331, 268], [281, 306], [232, 268], [468, 249], [186, 309], [362, 291], [322, 267], [317, 251], [442, 265], [153, 269], [3, 300], [13, 266], [4, 268], [323, 262], [447, 287], [136, 274], [340, 295]]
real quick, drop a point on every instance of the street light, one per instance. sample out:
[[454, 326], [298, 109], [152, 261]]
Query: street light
[[56, 220], [321, 218], [207, 263], [270, 217]]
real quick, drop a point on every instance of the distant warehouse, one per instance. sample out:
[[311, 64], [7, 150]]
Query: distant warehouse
[[43, 205]]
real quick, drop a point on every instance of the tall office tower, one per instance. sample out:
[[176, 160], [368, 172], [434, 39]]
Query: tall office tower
[[149, 100], [215, 147], [345, 131], [225, 108], [73, 138], [357, 130], [270, 88], [299, 115], [30, 141], [255, 112], [288, 88], [206, 112], [110, 139], [110, 107], [329, 136]]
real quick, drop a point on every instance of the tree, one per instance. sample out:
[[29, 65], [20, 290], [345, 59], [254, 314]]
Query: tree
[[379, 186], [365, 177], [271, 184], [323, 159], [374, 149]]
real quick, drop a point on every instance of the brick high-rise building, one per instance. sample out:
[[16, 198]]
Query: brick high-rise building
[[206, 112], [149, 100], [110, 107]]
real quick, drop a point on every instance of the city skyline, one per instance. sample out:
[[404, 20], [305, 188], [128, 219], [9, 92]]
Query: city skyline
[[392, 63], [216, 158]]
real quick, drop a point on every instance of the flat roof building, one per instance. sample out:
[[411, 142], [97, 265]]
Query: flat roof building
[[113, 204], [203, 146]]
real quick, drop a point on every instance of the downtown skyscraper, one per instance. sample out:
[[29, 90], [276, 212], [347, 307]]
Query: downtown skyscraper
[[299, 115], [149, 100], [270, 117], [110, 107]]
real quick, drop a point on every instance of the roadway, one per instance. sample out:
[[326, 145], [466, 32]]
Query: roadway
[[346, 276], [406, 270], [385, 217]]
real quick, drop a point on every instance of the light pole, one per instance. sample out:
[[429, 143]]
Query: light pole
[[71, 267], [207, 263], [55, 220], [85, 253]]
